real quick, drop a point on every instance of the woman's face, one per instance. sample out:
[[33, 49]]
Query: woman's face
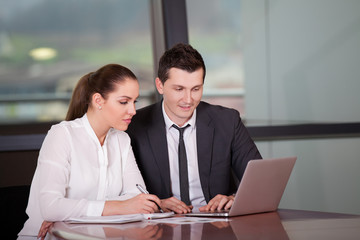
[[119, 107]]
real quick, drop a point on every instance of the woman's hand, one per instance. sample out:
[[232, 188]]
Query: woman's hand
[[45, 227], [142, 203]]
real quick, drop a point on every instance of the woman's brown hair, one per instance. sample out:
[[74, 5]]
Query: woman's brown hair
[[102, 81]]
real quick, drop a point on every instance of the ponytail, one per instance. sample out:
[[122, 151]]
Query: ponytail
[[80, 99]]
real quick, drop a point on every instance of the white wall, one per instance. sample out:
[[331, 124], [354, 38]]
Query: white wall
[[302, 64]]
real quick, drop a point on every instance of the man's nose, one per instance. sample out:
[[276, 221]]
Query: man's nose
[[187, 96]]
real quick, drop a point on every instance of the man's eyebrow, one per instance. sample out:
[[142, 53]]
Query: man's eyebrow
[[177, 85]]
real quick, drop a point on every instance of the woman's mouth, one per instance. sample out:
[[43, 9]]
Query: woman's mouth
[[128, 121]]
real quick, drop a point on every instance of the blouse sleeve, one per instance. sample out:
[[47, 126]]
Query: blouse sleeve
[[130, 171], [53, 180]]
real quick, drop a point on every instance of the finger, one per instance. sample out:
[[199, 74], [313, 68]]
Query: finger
[[222, 203], [151, 206], [153, 198], [180, 208], [185, 207], [42, 231], [177, 208], [213, 203], [229, 204], [214, 206], [202, 209], [209, 205], [176, 205]]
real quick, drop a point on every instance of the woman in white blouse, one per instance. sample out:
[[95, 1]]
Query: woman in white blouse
[[86, 166]]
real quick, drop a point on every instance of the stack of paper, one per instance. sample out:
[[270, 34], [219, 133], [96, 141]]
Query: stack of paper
[[120, 218]]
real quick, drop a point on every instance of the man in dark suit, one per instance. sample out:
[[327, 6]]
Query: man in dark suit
[[217, 143]]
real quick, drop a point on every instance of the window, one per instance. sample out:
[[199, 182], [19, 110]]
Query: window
[[47, 45], [215, 31]]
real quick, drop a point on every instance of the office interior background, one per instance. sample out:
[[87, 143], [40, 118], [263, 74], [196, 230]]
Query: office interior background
[[291, 68]]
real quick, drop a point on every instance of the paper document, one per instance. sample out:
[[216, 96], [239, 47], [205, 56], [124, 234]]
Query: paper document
[[190, 220], [158, 215], [120, 218]]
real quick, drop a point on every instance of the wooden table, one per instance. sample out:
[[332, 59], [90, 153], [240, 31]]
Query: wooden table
[[282, 224]]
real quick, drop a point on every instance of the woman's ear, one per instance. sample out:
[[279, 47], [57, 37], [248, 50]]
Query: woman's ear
[[97, 100]]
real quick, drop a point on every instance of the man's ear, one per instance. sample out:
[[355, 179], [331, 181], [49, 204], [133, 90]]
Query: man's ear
[[159, 86]]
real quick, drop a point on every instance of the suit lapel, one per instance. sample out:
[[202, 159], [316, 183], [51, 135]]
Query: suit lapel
[[204, 139], [158, 143]]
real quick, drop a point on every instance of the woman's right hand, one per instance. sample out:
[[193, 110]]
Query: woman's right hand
[[142, 203]]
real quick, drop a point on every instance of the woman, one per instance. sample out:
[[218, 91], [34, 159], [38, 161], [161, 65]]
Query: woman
[[86, 166]]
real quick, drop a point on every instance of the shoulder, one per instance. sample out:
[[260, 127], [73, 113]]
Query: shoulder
[[58, 140], [147, 111], [217, 111], [66, 126], [60, 128], [146, 118]]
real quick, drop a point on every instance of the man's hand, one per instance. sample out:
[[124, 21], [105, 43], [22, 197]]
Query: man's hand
[[219, 202], [175, 205]]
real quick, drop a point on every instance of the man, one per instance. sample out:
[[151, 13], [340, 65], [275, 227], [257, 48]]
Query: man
[[216, 141]]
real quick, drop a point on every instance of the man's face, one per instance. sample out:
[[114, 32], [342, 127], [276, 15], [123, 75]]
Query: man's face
[[182, 93]]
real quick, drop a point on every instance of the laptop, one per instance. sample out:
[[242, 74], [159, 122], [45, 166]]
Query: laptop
[[260, 189]]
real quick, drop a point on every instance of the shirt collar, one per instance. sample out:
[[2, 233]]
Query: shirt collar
[[169, 123], [91, 132]]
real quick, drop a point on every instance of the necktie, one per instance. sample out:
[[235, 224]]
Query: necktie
[[183, 170]]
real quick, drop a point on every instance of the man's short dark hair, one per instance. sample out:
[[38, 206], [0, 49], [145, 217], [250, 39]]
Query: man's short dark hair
[[181, 56]]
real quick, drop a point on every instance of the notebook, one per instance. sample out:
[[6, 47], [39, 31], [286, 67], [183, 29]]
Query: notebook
[[260, 189]]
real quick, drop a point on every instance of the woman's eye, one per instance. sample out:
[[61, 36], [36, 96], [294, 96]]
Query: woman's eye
[[123, 103]]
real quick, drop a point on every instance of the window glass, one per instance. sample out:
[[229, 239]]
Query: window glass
[[214, 30], [47, 45]]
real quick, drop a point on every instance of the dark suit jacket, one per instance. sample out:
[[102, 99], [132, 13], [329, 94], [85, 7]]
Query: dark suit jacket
[[223, 145]]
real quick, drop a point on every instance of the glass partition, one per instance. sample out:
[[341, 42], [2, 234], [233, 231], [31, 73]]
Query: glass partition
[[46, 46], [215, 31]]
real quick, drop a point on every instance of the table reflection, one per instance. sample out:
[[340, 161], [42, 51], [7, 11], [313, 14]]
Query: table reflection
[[257, 226], [138, 230]]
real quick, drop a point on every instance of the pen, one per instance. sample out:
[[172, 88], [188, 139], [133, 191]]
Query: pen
[[143, 190]]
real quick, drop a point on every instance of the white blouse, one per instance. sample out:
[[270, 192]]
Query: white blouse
[[75, 175]]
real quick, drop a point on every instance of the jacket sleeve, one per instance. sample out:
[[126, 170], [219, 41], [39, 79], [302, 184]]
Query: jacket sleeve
[[243, 147]]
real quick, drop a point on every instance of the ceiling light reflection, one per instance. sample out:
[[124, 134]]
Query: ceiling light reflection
[[41, 54]]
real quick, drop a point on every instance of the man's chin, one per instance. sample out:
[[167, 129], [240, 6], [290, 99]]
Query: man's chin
[[186, 116]]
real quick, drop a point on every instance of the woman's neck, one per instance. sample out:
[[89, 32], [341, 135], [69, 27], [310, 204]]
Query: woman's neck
[[98, 126]]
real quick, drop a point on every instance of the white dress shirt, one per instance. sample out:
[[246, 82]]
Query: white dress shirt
[[172, 135], [75, 174]]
